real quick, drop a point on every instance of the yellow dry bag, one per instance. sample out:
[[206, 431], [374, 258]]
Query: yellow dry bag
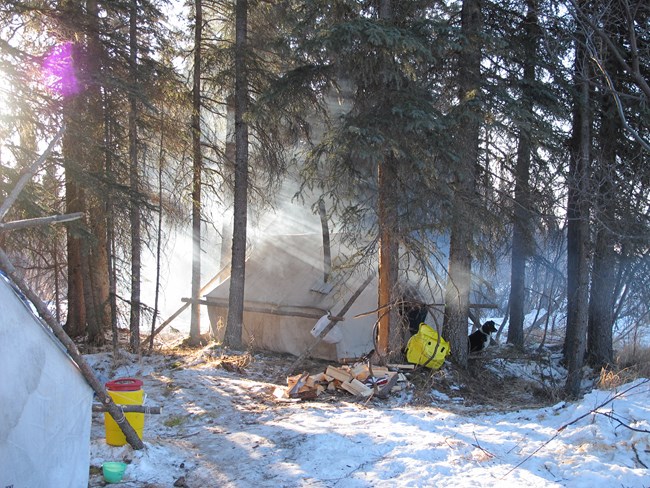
[[427, 348]]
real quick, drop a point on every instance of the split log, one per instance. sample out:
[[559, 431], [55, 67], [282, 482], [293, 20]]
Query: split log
[[296, 383], [401, 366], [338, 374], [111, 407], [357, 388]]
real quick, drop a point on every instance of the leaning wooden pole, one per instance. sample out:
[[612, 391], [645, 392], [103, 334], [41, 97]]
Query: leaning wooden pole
[[114, 410], [38, 221], [185, 305], [29, 172], [330, 326]]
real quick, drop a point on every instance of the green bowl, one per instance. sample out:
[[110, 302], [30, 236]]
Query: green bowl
[[113, 471]]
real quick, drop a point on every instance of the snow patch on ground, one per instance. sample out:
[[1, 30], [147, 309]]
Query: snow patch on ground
[[225, 429]]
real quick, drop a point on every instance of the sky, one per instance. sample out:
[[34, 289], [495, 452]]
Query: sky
[[226, 429]]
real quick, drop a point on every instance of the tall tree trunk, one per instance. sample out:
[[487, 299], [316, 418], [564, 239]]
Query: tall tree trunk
[[578, 229], [602, 302], [74, 201], [161, 163], [73, 158], [225, 251], [134, 180], [96, 195], [388, 333], [233, 336], [110, 224], [195, 316], [467, 142], [521, 234], [603, 280]]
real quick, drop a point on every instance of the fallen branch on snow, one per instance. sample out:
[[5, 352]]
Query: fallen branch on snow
[[593, 411]]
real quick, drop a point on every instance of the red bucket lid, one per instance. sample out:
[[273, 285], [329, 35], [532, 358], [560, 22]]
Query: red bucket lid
[[124, 384]]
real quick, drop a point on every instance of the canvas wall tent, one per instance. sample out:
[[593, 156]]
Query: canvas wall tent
[[286, 295], [45, 403]]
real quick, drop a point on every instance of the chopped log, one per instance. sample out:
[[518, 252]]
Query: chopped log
[[98, 407], [357, 388], [321, 378], [360, 371], [401, 366], [296, 383], [380, 371], [361, 388], [118, 415], [349, 388], [339, 374]]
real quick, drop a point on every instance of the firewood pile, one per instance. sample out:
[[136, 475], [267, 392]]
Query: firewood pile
[[361, 380]]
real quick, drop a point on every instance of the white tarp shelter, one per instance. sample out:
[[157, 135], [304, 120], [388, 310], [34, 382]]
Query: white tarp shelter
[[45, 403]]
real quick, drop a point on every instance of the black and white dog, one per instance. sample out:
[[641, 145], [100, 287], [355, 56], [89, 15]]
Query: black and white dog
[[480, 339]]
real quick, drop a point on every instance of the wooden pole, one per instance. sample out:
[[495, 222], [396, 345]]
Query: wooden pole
[[261, 307], [27, 175], [329, 326], [54, 219], [98, 408], [115, 411], [185, 305]]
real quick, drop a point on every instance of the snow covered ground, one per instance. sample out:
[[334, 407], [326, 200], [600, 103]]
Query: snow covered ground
[[223, 428]]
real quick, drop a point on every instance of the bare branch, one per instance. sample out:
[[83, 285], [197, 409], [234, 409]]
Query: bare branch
[[28, 174], [634, 71]]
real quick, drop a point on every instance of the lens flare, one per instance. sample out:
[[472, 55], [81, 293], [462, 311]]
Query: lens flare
[[59, 70]]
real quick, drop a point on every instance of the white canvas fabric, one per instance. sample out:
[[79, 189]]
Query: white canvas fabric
[[45, 403]]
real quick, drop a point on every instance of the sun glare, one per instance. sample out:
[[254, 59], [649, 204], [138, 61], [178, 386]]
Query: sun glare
[[58, 70]]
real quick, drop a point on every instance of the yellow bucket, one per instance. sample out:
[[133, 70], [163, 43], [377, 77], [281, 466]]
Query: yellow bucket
[[427, 348], [124, 391]]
